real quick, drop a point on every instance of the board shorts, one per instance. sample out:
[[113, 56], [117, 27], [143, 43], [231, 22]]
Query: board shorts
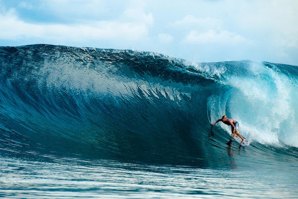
[[236, 125]]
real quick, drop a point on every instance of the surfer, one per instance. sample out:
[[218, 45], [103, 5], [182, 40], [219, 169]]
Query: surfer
[[234, 128]]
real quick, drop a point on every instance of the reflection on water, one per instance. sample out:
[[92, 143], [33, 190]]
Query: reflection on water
[[108, 179]]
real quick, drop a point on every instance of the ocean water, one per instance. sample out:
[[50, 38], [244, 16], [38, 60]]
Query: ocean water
[[103, 123]]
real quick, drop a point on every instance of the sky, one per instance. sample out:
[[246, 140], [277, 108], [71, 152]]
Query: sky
[[194, 30]]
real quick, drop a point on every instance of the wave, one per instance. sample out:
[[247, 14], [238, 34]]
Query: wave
[[142, 106]]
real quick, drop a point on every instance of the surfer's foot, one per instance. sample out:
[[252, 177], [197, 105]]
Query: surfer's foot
[[229, 143]]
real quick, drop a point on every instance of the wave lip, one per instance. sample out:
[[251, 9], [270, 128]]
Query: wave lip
[[122, 104]]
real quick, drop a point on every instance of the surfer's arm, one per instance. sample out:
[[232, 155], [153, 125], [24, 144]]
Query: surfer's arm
[[219, 120]]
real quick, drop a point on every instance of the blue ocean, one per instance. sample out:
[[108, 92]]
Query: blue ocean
[[105, 123]]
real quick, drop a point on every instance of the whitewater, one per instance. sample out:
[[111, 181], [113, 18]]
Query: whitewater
[[106, 123]]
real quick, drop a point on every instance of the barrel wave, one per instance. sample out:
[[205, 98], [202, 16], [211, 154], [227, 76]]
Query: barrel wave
[[141, 106]]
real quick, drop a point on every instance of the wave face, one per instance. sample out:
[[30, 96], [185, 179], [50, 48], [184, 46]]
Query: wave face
[[140, 106]]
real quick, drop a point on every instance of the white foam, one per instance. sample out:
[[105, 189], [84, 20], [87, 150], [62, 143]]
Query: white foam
[[210, 69], [263, 103]]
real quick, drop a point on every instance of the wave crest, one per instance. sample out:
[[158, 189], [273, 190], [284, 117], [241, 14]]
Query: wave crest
[[139, 105]]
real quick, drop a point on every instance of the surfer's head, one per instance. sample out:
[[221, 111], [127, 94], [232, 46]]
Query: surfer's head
[[223, 117]]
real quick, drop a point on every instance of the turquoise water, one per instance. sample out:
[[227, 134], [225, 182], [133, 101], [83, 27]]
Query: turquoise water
[[71, 178], [103, 123]]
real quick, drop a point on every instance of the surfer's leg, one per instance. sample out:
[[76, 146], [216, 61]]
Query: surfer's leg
[[240, 136], [229, 143], [237, 132]]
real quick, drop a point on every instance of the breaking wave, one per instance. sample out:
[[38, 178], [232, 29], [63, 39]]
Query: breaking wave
[[141, 106]]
